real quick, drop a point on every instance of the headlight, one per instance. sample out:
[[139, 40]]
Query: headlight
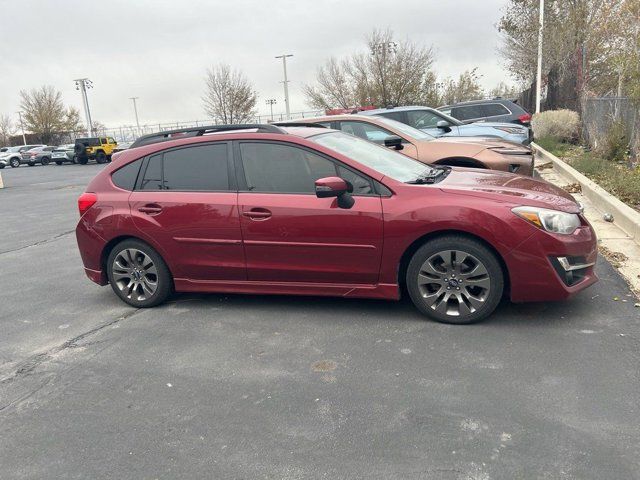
[[549, 220], [511, 129]]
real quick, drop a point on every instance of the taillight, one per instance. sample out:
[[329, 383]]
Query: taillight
[[525, 118], [86, 201]]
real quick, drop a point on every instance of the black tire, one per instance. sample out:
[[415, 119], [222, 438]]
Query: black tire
[[82, 160], [1, 167], [437, 293], [45, 161], [14, 162], [58, 162], [101, 158], [163, 278]]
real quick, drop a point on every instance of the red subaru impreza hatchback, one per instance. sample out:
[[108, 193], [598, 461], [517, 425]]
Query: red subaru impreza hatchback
[[313, 211]]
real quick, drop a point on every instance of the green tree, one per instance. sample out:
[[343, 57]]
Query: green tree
[[44, 114]]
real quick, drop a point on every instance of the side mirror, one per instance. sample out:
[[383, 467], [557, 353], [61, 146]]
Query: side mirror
[[335, 187], [443, 125], [393, 141]]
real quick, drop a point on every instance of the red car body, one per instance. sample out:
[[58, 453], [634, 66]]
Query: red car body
[[246, 242]]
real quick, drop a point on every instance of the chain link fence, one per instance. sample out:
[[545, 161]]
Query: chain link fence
[[600, 114]]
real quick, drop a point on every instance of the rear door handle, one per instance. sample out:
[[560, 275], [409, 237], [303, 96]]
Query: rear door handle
[[257, 214], [150, 209]]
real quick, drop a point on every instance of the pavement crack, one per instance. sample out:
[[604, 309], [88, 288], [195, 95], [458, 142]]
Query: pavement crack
[[38, 243], [30, 364]]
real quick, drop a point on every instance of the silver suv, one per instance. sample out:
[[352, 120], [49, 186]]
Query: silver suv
[[13, 155]]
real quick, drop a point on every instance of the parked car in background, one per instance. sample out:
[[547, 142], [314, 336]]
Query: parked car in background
[[262, 209], [13, 155], [474, 152], [496, 110], [63, 153], [99, 149], [122, 146], [439, 124], [41, 155]]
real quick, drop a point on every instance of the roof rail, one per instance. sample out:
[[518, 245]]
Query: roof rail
[[298, 124], [199, 131]]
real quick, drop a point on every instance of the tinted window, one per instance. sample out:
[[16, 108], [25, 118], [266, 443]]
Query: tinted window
[[393, 115], [423, 119], [495, 109], [126, 176], [361, 185], [270, 167], [153, 174], [467, 112], [202, 168]]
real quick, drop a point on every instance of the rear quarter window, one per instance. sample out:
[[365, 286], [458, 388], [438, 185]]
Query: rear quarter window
[[126, 176], [495, 109]]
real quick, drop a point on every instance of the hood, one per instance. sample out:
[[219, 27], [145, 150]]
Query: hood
[[496, 124], [508, 187], [483, 142]]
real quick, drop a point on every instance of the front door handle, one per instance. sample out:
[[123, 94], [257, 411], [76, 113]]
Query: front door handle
[[150, 209], [257, 214]]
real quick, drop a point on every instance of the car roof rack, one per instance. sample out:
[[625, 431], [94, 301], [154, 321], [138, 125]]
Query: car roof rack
[[298, 124], [199, 131]]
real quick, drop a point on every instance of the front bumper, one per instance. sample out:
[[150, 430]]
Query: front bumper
[[549, 267]]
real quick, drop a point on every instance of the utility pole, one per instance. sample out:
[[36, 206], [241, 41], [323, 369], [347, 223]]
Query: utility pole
[[135, 109], [24, 139], [539, 72], [286, 83], [271, 102], [83, 84]]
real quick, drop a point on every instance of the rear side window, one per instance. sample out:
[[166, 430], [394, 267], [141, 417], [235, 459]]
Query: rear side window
[[467, 112], [126, 176], [198, 168], [495, 109], [393, 115]]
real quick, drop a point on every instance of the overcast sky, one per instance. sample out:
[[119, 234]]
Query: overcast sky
[[159, 50]]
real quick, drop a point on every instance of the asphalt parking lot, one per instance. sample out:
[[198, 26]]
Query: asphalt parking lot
[[242, 387]]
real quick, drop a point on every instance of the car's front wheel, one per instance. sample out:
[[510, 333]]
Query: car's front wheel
[[44, 161], [138, 274], [14, 162], [455, 279]]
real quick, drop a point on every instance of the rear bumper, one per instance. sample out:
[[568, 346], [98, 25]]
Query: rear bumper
[[91, 246], [539, 270]]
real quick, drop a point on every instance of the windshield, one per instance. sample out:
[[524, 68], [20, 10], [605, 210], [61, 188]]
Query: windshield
[[14, 149], [406, 129], [381, 159]]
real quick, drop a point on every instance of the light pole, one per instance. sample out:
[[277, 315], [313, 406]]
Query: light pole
[[271, 102], [83, 84], [24, 139], [286, 83], [135, 109], [539, 72]]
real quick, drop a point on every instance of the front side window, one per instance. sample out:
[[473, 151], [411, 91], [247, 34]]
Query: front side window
[[423, 119], [368, 131], [198, 168], [272, 167]]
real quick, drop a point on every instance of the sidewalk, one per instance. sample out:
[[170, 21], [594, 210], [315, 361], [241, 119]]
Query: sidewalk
[[622, 251]]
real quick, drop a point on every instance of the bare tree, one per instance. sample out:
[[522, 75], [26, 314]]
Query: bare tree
[[7, 129], [229, 96], [45, 115], [466, 87], [389, 73]]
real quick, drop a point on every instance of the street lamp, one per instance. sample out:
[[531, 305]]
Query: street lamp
[[135, 109], [83, 84], [286, 83], [539, 72], [271, 102]]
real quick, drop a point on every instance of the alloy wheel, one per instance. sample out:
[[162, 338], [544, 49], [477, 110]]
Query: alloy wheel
[[454, 283], [135, 274]]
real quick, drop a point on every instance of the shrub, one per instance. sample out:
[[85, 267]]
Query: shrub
[[615, 143], [563, 125]]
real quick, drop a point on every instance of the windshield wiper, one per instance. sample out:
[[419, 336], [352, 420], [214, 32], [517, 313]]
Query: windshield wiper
[[431, 175]]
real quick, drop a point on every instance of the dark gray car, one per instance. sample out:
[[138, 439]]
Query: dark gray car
[[41, 154], [496, 110]]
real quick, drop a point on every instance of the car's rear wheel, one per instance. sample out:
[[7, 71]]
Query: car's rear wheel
[[45, 161], [101, 157], [1, 167], [82, 160], [455, 279], [14, 162], [138, 274]]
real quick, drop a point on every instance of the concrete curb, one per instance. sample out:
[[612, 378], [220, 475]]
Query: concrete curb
[[623, 215]]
